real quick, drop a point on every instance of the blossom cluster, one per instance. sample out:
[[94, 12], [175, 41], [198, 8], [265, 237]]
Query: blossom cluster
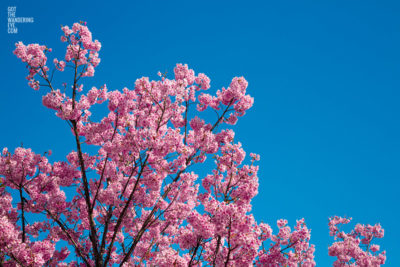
[[288, 248], [34, 55], [355, 248], [81, 48], [20, 243]]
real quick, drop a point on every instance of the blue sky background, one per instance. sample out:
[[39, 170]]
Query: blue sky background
[[324, 75]]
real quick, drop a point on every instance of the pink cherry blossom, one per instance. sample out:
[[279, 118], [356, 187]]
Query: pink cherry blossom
[[355, 248]]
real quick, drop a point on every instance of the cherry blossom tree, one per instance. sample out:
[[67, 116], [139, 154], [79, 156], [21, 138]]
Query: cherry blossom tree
[[138, 200]]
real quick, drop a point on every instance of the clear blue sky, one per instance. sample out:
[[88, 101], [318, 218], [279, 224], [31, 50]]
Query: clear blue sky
[[325, 76]]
